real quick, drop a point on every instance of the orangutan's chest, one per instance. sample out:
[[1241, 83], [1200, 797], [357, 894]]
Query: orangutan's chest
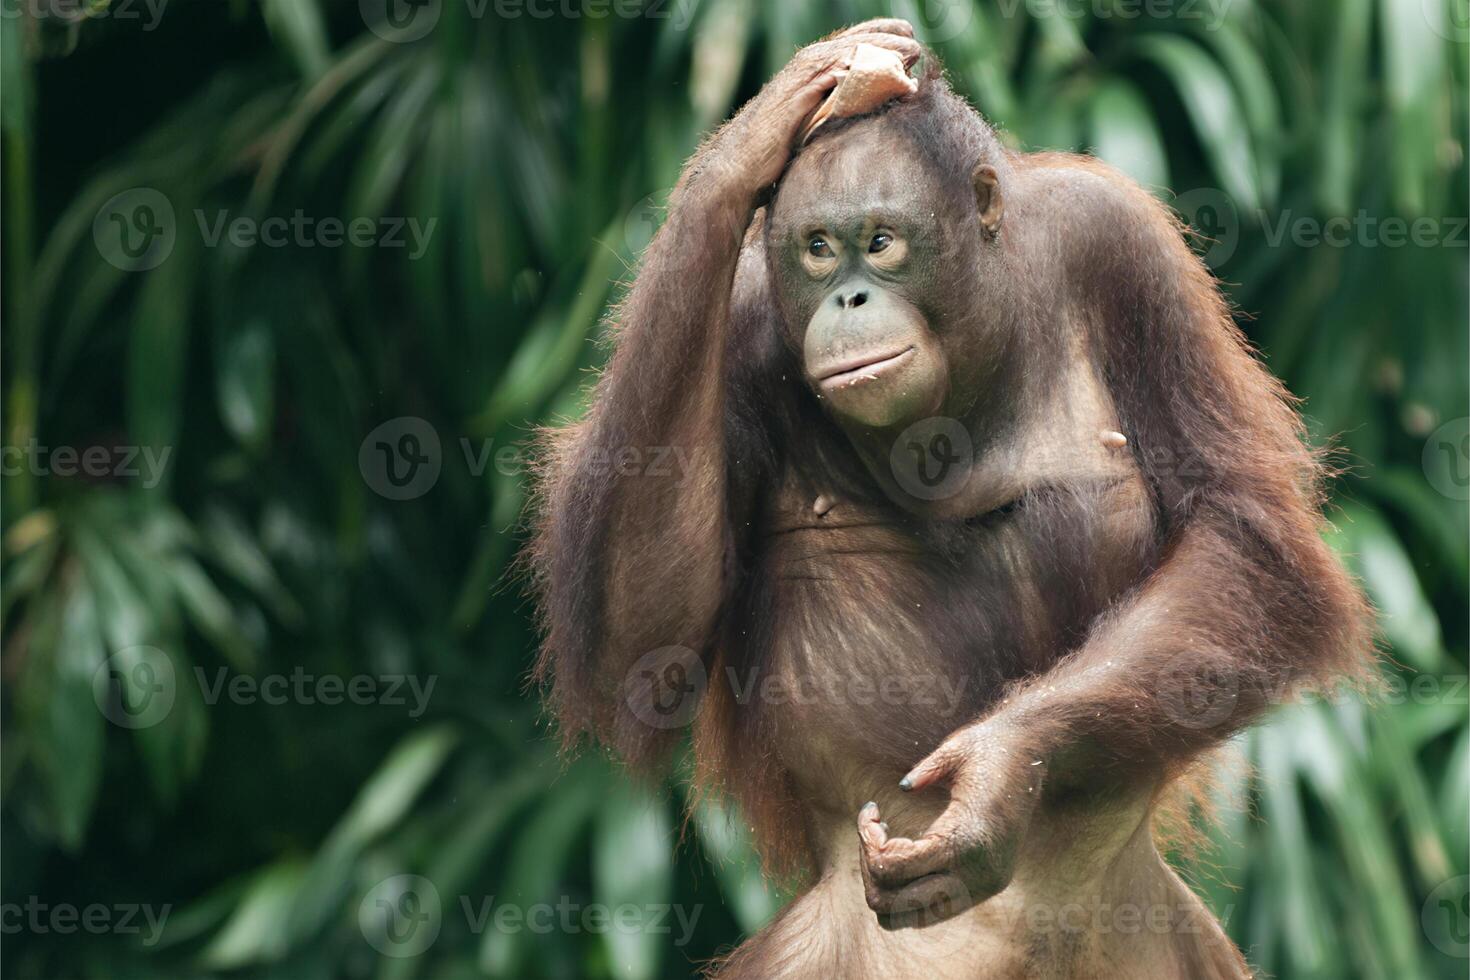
[[873, 626]]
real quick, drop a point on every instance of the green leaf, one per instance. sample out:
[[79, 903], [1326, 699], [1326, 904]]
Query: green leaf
[[69, 735], [1394, 756], [1292, 882], [158, 348], [145, 660], [298, 25], [540, 854], [246, 382], [210, 612], [737, 867], [238, 551], [381, 803], [1125, 135], [1213, 108], [1344, 87], [1414, 60], [632, 865], [16, 98], [1252, 81], [1334, 773], [1454, 796], [385, 798], [550, 347], [1405, 615], [256, 931]]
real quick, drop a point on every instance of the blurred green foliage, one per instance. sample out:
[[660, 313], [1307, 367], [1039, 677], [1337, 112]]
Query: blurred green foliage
[[543, 149]]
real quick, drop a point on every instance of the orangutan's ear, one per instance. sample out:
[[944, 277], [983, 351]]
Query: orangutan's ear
[[988, 198]]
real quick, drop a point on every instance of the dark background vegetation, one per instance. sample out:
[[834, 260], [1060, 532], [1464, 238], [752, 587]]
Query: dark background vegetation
[[544, 147]]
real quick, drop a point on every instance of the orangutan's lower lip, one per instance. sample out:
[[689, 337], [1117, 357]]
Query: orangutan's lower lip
[[864, 369]]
